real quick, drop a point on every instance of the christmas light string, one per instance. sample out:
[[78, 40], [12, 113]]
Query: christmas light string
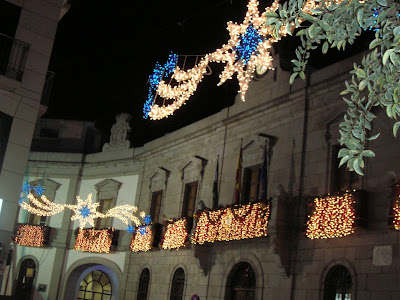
[[396, 207], [94, 240], [31, 235], [333, 217], [232, 223], [176, 235], [85, 211], [247, 48]]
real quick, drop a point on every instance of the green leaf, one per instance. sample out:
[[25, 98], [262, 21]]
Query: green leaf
[[360, 16], [368, 153], [343, 152], [293, 77], [324, 25], [396, 128], [271, 14], [302, 76], [360, 73], [344, 160], [382, 2], [325, 47], [389, 111], [374, 137], [356, 166], [396, 31], [386, 56]]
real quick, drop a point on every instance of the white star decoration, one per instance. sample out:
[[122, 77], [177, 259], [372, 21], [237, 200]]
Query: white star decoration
[[85, 211]]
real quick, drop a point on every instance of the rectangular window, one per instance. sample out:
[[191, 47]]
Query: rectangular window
[[37, 220], [5, 128], [155, 207], [189, 199], [105, 204], [251, 184]]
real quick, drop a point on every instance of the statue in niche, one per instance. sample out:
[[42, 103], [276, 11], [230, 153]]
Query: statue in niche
[[119, 133]]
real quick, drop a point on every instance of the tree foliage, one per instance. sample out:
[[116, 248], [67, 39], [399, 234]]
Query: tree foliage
[[374, 83]]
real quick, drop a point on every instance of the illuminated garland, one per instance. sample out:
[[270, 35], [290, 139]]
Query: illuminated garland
[[85, 211], [333, 217], [396, 208], [31, 235], [232, 223], [247, 48], [94, 240], [141, 241], [175, 235]]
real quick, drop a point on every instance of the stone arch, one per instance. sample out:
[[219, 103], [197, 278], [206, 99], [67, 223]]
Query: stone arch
[[29, 288], [79, 269], [171, 277], [254, 262], [339, 262]]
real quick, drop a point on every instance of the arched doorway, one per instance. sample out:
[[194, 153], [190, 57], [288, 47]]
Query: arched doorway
[[26, 279], [338, 284], [95, 286], [241, 283]]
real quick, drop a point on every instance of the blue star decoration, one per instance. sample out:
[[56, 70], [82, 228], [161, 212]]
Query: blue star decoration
[[248, 44], [39, 190], [21, 200], [159, 72], [142, 230], [131, 229], [84, 211], [147, 220], [26, 187]]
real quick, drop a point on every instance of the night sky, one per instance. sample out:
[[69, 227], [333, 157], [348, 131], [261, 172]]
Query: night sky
[[105, 51]]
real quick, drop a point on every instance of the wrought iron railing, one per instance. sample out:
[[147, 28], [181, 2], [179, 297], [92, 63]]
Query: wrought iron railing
[[13, 54]]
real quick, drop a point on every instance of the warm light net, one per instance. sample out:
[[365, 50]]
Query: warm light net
[[232, 223], [333, 217], [175, 235], [396, 207], [31, 235], [94, 240], [141, 240]]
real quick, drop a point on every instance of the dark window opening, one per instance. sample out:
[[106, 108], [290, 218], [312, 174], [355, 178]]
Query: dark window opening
[[178, 284], [26, 279], [105, 204], [155, 207], [9, 18], [338, 284], [144, 282], [189, 199], [5, 128], [241, 283]]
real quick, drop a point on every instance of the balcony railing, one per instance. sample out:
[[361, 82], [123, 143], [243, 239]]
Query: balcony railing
[[13, 54], [32, 235]]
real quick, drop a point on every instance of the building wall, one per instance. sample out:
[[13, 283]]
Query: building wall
[[20, 100], [304, 120]]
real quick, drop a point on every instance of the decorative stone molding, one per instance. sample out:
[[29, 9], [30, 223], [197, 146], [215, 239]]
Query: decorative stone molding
[[119, 133], [107, 189]]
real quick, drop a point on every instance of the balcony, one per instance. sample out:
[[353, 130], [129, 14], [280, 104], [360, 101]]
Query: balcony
[[96, 240], [13, 54], [32, 235]]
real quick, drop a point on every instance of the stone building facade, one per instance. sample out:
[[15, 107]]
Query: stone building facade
[[299, 125], [27, 33]]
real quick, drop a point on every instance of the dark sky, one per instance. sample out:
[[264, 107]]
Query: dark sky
[[104, 52]]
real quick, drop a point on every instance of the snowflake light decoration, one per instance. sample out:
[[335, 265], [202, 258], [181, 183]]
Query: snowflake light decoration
[[130, 229], [85, 211], [39, 190]]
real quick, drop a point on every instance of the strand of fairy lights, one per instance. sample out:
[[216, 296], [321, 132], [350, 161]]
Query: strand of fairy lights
[[396, 208], [141, 241], [85, 211], [237, 223], [256, 52], [30, 235], [94, 240], [333, 217], [176, 235]]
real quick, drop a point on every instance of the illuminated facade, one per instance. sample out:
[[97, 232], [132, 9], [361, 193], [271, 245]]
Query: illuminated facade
[[265, 248]]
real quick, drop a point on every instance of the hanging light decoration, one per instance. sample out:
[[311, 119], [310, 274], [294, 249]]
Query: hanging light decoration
[[141, 241], [232, 223], [333, 217], [31, 235], [94, 240], [396, 207], [85, 211], [176, 235]]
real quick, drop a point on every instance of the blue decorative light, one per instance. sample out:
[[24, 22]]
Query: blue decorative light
[[39, 190], [131, 229], [21, 200], [142, 230], [147, 220], [26, 187], [84, 211], [159, 72], [248, 44]]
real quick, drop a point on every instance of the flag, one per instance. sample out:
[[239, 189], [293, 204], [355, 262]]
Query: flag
[[264, 176], [238, 185], [215, 187]]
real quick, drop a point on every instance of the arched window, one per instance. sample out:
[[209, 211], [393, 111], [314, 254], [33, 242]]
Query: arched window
[[178, 284], [95, 285], [143, 288], [26, 278], [338, 284], [241, 283]]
